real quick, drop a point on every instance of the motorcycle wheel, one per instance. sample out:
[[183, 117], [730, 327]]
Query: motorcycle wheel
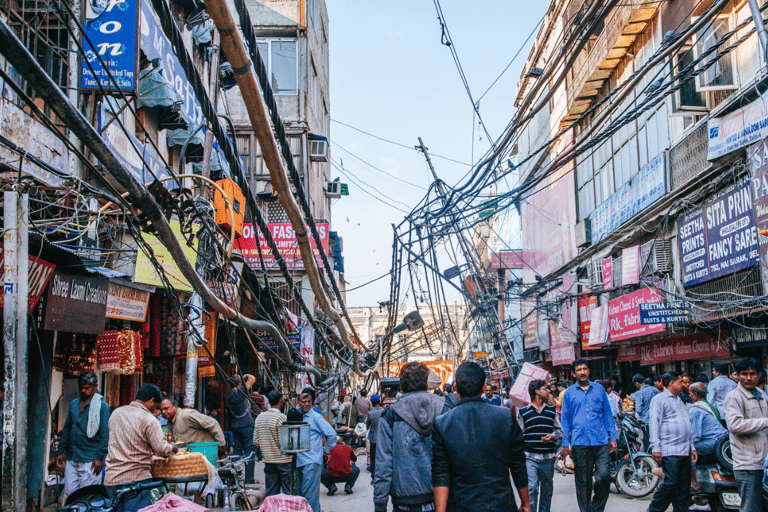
[[241, 502], [640, 482]]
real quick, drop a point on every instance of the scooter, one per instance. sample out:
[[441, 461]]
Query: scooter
[[94, 498], [715, 476]]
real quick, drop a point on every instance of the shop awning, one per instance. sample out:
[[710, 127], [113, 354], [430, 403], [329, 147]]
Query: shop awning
[[203, 33], [156, 91], [218, 165], [194, 151]]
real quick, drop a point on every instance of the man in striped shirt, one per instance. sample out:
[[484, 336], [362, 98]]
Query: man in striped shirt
[[266, 435], [672, 446], [541, 428]]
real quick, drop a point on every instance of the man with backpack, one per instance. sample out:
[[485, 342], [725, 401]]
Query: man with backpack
[[404, 446]]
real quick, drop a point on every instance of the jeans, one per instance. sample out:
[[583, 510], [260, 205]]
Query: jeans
[[675, 488], [750, 489], [277, 478], [144, 499], [309, 485], [591, 473], [373, 460], [244, 446], [540, 476], [348, 480], [78, 475]]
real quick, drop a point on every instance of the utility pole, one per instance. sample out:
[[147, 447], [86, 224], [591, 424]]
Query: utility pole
[[762, 33], [15, 306], [468, 253]]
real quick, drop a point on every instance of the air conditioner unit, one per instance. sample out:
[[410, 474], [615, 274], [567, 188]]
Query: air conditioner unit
[[584, 233], [318, 150], [333, 189], [660, 258]]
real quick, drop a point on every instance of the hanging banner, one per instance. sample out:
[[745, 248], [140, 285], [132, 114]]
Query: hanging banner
[[607, 273], [40, 271], [758, 169], [598, 332], [624, 314], [127, 303], [567, 316], [145, 271], [308, 352], [587, 304], [76, 304], [285, 239], [111, 26], [563, 353], [630, 265], [530, 324], [739, 128], [647, 187], [719, 238]]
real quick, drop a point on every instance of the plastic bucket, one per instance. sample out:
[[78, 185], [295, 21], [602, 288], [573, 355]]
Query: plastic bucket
[[209, 450]]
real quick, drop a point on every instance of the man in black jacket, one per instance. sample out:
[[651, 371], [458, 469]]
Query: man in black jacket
[[465, 477]]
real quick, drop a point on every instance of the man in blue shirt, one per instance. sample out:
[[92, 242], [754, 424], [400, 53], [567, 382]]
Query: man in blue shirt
[[85, 437], [242, 420], [589, 436], [310, 463], [707, 429], [489, 398], [642, 398], [720, 386]]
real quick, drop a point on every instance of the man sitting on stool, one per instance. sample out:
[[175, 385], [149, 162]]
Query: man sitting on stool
[[340, 468]]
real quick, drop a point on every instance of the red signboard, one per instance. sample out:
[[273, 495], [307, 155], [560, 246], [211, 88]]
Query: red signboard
[[695, 346], [507, 259], [285, 238], [39, 273], [562, 352], [587, 304], [627, 354], [624, 315]]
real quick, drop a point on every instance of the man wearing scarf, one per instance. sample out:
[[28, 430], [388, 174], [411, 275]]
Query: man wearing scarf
[[85, 437]]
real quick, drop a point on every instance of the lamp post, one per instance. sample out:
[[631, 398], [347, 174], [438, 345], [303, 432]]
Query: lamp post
[[294, 438]]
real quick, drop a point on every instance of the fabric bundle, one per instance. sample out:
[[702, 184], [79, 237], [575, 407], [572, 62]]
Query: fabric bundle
[[172, 342], [120, 352]]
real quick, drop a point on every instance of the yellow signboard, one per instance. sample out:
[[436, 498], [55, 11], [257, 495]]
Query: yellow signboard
[[145, 272]]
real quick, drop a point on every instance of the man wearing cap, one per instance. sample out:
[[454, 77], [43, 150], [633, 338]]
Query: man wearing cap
[[373, 429]]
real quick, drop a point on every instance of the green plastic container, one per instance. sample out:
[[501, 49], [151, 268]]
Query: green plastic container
[[209, 450]]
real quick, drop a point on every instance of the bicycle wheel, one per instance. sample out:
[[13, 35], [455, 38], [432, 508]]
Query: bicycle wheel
[[240, 502]]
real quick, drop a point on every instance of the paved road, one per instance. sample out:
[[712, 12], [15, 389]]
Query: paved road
[[564, 499]]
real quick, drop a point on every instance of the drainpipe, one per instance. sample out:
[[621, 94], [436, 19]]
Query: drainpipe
[[762, 33]]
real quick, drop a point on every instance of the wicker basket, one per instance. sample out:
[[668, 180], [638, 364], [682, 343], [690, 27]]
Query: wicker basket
[[184, 464]]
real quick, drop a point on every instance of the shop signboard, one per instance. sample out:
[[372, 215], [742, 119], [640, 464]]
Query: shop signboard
[[598, 332], [647, 187], [285, 239], [719, 238], [228, 284], [587, 304], [127, 302], [664, 313], [530, 325], [624, 314], [740, 128], [266, 343], [627, 354], [158, 48], [145, 271], [75, 303], [607, 273], [40, 272], [111, 27], [758, 169], [308, 352], [562, 352], [630, 265], [694, 346]]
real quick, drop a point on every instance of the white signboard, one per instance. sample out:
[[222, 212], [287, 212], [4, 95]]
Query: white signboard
[[739, 128], [126, 303]]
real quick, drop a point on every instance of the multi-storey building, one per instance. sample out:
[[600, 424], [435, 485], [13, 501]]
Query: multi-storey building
[[635, 125]]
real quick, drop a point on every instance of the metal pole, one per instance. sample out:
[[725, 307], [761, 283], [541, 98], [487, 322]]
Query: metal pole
[[762, 33], [16, 269]]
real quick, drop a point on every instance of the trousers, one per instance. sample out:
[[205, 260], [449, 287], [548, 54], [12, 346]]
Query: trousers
[[540, 475], [348, 480], [750, 490], [243, 445], [78, 475], [592, 474], [309, 485], [675, 489], [277, 478]]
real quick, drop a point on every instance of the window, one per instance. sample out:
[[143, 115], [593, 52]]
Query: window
[[282, 64], [721, 74], [687, 98]]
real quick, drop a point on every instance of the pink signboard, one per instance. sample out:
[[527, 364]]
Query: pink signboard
[[624, 315], [607, 273], [507, 259], [562, 352], [630, 265], [285, 238], [587, 305]]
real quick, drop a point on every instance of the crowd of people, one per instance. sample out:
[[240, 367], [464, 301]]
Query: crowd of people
[[428, 451]]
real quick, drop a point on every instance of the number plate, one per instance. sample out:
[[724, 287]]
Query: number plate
[[731, 499]]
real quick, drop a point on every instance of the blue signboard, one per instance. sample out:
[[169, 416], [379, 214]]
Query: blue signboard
[[719, 238], [265, 342], [647, 187], [664, 313], [113, 35], [158, 48]]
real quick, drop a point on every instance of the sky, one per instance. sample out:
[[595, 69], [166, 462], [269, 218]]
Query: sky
[[390, 76]]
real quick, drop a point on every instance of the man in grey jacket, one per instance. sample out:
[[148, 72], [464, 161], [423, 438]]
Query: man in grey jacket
[[404, 446], [746, 412]]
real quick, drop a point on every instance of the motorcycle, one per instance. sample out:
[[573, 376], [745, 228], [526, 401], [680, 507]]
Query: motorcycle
[[715, 476], [94, 498], [631, 468]]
